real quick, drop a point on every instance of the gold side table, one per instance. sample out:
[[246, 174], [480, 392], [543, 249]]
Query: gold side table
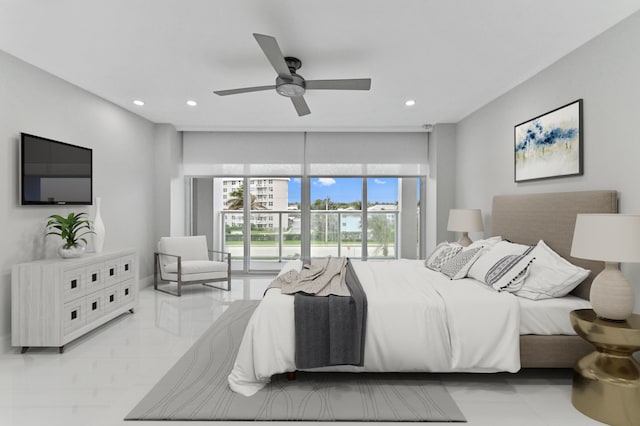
[[606, 383]]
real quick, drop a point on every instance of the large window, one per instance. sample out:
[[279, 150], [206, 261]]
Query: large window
[[382, 217], [273, 222], [271, 210], [336, 217], [358, 193]]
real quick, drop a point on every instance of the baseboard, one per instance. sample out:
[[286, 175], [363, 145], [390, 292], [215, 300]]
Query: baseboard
[[5, 344], [145, 281]]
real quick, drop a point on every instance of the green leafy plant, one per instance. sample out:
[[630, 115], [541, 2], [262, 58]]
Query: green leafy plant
[[71, 229]]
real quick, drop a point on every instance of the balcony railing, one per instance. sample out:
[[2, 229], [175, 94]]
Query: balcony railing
[[275, 234]]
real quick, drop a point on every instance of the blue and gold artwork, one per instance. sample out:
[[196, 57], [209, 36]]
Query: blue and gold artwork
[[549, 145]]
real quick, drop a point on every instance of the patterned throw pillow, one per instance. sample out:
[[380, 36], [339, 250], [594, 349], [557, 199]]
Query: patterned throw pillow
[[509, 273], [457, 267], [435, 253], [443, 253], [493, 256]]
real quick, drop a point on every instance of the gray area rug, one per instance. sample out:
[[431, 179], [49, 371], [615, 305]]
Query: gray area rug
[[196, 388]]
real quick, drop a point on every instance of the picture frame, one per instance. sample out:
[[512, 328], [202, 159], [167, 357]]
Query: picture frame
[[549, 145]]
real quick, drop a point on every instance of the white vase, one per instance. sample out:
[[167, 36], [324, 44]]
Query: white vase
[[98, 229]]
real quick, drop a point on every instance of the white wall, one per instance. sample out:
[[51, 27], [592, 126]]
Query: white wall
[[36, 102], [169, 182], [441, 183], [604, 72]]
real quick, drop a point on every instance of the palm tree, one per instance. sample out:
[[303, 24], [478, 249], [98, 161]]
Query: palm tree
[[381, 231], [236, 202]]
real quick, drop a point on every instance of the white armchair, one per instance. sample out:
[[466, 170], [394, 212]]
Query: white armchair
[[185, 260]]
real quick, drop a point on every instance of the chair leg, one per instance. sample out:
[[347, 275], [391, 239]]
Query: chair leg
[[168, 292], [155, 278], [227, 288], [155, 272]]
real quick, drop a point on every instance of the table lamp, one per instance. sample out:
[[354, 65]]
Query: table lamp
[[465, 221], [612, 238]]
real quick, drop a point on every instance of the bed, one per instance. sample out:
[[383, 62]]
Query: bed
[[440, 328]]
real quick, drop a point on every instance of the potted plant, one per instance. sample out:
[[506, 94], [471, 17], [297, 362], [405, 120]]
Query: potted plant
[[72, 230]]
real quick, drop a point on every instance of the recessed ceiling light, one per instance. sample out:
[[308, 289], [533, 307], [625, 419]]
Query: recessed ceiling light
[[192, 103], [138, 102], [410, 102]]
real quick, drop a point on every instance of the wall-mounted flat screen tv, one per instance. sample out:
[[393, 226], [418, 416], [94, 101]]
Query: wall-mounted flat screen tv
[[54, 172]]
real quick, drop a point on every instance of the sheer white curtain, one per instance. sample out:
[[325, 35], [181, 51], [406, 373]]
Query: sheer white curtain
[[366, 154], [243, 153], [312, 154]]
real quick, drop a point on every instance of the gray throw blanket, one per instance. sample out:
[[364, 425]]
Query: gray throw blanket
[[329, 330]]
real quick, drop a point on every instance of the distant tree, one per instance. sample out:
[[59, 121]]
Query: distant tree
[[381, 231], [236, 202], [324, 204]]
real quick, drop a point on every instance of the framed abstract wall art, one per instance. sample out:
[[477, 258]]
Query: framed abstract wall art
[[549, 145]]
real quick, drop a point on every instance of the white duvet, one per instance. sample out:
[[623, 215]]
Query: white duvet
[[417, 320]]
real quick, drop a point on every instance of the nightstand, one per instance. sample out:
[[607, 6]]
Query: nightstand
[[606, 383]]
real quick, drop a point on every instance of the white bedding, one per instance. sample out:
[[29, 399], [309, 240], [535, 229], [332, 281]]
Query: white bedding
[[418, 320], [549, 316]]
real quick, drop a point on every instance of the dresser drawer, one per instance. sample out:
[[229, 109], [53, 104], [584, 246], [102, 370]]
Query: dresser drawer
[[73, 316], [127, 267], [111, 297], [112, 272], [94, 306], [73, 284], [94, 277], [126, 292]]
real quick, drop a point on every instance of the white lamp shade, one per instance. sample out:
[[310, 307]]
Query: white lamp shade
[[465, 220], [607, 237]]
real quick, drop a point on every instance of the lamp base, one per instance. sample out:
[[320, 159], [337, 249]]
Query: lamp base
[[612, 297], [464, 240]]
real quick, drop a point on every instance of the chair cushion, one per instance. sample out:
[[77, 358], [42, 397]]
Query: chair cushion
[[197, 267], [190, 248]]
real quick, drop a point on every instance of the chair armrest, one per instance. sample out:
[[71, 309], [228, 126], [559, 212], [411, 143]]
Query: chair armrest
[[157, 255], [224, 253], [168, 254]]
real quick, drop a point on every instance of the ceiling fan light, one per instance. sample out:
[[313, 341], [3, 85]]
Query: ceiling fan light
[[290, 90]]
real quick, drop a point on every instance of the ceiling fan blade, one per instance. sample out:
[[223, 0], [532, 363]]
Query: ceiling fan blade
[[243, 90], [272, 51], [347, 84], [301, 105]]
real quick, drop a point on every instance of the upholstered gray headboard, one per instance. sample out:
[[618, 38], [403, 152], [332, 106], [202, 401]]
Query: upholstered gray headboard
[[527, 218]]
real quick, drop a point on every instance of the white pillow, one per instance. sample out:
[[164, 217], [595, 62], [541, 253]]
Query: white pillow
[[491, 257], [458, 266], [442, 253], [486, 243], [550, 275]]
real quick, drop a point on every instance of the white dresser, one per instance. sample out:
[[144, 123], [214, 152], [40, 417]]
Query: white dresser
[[55, 301]]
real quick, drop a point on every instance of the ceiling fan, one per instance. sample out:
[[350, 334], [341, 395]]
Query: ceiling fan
[[289, 83]]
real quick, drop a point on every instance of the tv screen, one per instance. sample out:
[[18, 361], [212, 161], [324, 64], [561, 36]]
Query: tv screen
[[54, 172]]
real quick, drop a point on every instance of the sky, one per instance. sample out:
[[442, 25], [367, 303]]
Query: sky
[[346, 190]]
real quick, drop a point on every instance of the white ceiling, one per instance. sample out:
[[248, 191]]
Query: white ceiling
[[451, 56]]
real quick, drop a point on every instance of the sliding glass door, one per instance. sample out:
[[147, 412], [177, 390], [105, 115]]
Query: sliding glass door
[[275, 229], [272, 222], [336, 217]]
